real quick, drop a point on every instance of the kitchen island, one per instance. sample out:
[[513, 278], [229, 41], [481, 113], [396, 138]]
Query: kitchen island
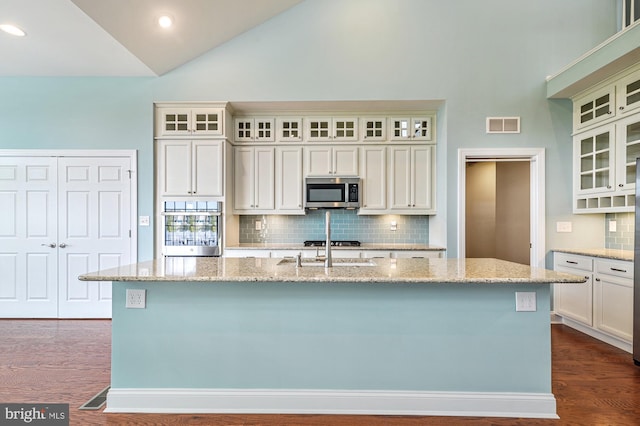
[[390, 336]]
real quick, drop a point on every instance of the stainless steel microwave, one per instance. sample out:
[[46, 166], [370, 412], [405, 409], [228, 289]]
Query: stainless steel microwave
[[332, 192]]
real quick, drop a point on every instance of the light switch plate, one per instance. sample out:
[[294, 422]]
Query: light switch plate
[[613, 226], [563, 227], [143, 220]]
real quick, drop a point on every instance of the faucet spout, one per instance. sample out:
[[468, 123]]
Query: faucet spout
[[328, 261]]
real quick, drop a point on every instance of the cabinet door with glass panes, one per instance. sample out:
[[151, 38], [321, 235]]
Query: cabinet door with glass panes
[[594, 154], [628, 149], [628, 90], [322, 129], [594, 107], [190, 122], [410, 129], [289, 129], [249, 129], [373, 129]]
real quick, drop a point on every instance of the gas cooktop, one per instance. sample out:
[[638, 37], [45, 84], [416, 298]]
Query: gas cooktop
[[338, 243]]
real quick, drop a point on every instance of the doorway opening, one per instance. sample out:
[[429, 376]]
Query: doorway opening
[[497, 210], [501, 204]]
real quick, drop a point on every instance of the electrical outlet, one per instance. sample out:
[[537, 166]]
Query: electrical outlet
[[136, 298], [258, 225], [525, 301], [394, 225], [613, 226]]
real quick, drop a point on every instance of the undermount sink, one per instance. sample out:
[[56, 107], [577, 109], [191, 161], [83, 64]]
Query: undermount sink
[[335, 262]]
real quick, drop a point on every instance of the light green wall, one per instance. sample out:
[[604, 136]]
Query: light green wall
[[339, 336], [487, 58]]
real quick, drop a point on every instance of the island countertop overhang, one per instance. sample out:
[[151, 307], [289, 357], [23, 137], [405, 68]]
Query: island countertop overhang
[[419, 271]]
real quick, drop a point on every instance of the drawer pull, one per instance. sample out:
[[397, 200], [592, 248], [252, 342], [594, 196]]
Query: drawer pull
[[618, 270], [573, 262]]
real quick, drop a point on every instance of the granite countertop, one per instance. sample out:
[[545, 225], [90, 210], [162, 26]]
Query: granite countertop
[[613, 254], [363, 246], [220, 269]]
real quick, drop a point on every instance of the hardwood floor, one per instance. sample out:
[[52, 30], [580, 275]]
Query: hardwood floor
[[68, 361]]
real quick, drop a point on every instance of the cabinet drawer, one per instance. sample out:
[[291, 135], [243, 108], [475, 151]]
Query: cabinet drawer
[[573, 261], [620, 269]]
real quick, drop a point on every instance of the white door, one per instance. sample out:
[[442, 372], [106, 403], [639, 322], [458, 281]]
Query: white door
[[94, 205], [28, 238]]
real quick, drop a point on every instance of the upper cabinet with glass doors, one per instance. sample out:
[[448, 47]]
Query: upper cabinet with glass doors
[[410, 129], [190, 122], [606, 125]]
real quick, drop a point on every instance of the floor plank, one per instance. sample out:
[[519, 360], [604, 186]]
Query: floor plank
[[68, 361]]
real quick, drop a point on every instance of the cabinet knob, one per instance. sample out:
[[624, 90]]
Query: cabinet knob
[[608, 186], [620, 185], [621, 108], [609, 112], [51, 245], [62, 245], [597, 279]]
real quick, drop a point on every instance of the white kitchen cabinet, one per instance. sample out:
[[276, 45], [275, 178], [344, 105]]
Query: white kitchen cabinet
[[613, 298], [373, 164], [574, 301], [190, 122], [373, 129], [411, 179], [603, 306], [628, 91], [337, 129], [191, 168], [331, 160], [289, 180], [254, 179], [594, 153], [605, 166], [289, 129], [254, 129], [410, 128], [594, 107]]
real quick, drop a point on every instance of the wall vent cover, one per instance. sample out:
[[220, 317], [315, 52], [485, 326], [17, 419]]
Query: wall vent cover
[[503, 124]]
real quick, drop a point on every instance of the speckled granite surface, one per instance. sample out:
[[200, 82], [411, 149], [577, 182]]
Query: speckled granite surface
[[363, 246], [220, 269], [604, 253]]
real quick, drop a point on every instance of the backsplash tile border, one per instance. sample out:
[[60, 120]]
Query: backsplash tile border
[[345, 225]]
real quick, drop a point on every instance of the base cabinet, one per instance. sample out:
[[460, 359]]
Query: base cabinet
[[604, 304]]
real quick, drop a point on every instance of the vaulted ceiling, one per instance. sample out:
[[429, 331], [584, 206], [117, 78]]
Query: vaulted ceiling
[[121, 37]]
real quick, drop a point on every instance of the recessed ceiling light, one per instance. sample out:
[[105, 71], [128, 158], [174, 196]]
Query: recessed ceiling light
[[165, 21], [12, 29]]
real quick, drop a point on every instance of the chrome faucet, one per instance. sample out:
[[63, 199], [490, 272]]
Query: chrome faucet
[[328, 261]]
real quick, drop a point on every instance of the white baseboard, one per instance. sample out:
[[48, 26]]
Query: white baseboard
[[270, 401], [613, 341]]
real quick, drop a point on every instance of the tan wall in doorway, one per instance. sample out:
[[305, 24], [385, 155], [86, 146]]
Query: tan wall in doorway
[[497, 210]]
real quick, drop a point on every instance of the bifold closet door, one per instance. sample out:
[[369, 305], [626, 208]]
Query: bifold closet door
[[28, 237]]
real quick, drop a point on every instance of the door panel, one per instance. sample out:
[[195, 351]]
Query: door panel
[[94, 226], [28, 217]]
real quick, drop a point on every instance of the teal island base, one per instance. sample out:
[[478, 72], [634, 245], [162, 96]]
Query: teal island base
[[338, 348]]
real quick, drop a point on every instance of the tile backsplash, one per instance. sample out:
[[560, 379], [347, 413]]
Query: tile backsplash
[[622, 238], [345, 225]]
